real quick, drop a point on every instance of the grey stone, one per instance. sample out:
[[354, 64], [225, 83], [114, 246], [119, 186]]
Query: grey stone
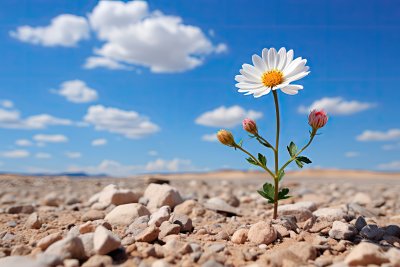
[[67, 248], [372, 232], [341, 230], [162, 195], [360, 223], [126, 214], [105, 241], [183, 220]]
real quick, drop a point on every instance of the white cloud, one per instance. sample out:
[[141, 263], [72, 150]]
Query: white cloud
[[352, 154], [227, 117], [368, 135], [23, 142], [391, 146], [64, 30], [18, 153], [210, 137], [48, 138], [73, 155], [169, 165], [42, 155], [134, 35], [128, 123], [152, 153], [99, 142], [102, 62], [337, 106], [11, 119], [390, 166], [77, 91], [6, 103]]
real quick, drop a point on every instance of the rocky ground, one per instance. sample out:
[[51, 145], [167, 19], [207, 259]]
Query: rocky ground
[[213, 222]]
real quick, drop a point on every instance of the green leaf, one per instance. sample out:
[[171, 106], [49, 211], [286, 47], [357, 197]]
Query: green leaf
[[282, 194], [281, 174], [269, 189], [264, 195], [304, 159], [252, 161], [292, 149], [264, 143], [299, 163], [262, 159]]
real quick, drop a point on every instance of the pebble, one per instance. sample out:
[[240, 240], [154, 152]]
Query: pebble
[[149, 234], [46, 241], [111, 194], [362, 199], [262, 233], [92, 215], [365, 254], [372, 232], [168, 228], [126, 214], [330, 214], [27, 209], [162, 195], [67, 248], [240, 236], [301, 212], [20, 250], [98, 261], [393, 230], [88, 244], [360, 223], [105, 241], [216, 248], [184, 221], [341, 230], [33, 221], [160, 216], [19, 261], [51, 200], [71, 263]]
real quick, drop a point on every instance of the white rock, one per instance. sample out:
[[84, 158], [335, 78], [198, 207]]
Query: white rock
[[111, 194], [301, 212], [67, 248], [362, 199], [262, 233], [19, 261], [160, 216], [33, 221], [126, 214], [88, 245], [105, 241], [341, 230], [240, 236], [162, 195], [365, 254], [330, 214]]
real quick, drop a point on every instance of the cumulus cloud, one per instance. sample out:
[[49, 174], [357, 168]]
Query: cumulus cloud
[[73, 155], [11, 119], [134, 35], [391, 146], [50, 138], [352, 154], [168, 165], [14, 154], [99, 142], [6, 103], [210, 137], [125, 122], [77, 91], [390, 166], [102, 62], [226, 116], [42, 155], [368, 135], [337, 106], [23, 142], [64, 30]]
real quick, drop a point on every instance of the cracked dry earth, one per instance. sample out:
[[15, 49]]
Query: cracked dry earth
[[59, 221]]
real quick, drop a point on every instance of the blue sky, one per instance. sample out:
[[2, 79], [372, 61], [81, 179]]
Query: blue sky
[[138, 75]]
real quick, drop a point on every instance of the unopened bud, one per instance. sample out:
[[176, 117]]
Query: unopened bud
[[225, 137], [317, 119], [250, 126]]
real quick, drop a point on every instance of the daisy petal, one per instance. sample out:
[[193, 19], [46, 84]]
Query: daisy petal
[[289, 68], [293, 71], [297, 76], [289, 58], [265, 58], [251, 70], [272, 58], [250, 76], [259, 63], [291, 89], [262, 92], [249, 85], [282, 58]]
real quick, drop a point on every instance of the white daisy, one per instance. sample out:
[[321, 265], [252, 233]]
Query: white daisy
[[274, 70]]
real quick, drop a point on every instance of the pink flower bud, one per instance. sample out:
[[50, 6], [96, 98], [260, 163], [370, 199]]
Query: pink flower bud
[[317, 119], [225, 137], [250, 126]]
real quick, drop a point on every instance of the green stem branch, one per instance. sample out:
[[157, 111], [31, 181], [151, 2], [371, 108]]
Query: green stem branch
[[256, 160]]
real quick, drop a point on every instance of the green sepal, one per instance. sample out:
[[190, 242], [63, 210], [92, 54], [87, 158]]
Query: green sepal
[[262, 159], [304, 159], [263, 143], [281, 173], [252, 161]]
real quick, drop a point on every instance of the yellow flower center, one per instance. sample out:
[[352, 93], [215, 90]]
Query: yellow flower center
[[272, 78]]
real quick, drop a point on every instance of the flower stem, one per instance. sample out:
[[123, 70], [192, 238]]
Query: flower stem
[[313, 133], [256, 160], [276, 153]]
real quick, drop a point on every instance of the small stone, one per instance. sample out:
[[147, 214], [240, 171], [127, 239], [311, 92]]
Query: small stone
[[46, 241], [372, 232], [87, 227], [282, 231], [262, 233], [33, 221], [220, 205], [330, 214], [360, 223], [126, 214], [362, 199], [365, 254], [26, 209], [301, 212], [231, 199], [240, 236], [149, 234], [51, 200], [111, 194], [215, 248], [341, 230], [184, 221], [98, 261], [92, 215], [72, 201], [394, 256], [71, 263], [168, 228], [162, 195], [174, 246], [160, 216], [105, 241], [212, 263], [393, 230], [19, 261], [304, 250], [20, 250], [88, 245], [138, 225], [186, 207], [67, 248]]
